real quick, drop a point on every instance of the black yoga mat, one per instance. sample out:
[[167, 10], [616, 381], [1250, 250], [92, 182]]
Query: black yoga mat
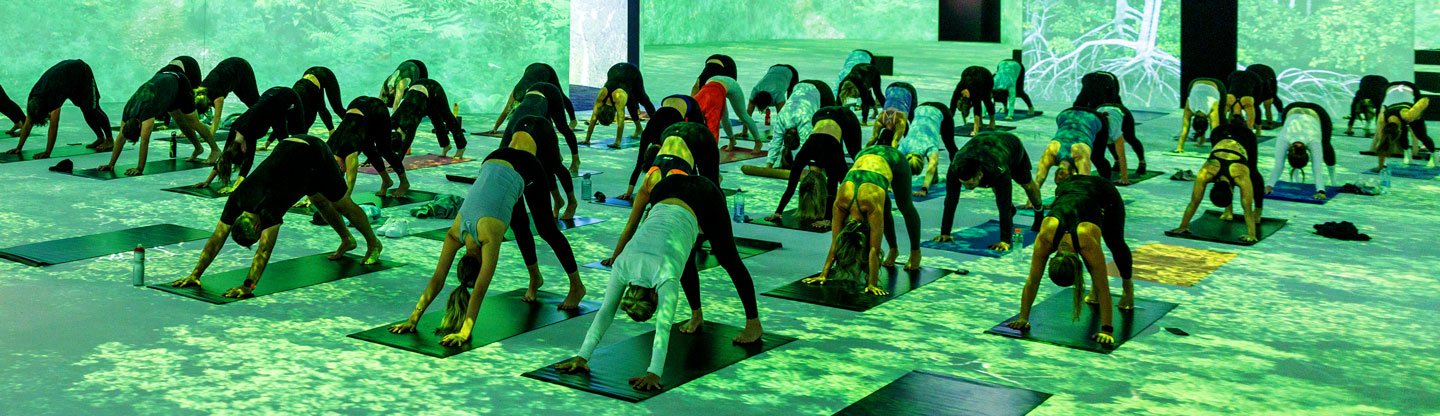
[[1050, 322], [1301, 192], [362, 198], [747, 247], [439, 235], [977, 240], [1209, 227], [691, 356], [852, 296], [922, 393], [151, 168], [212, 192], [1136, 178], [279, 276], [788, 221], [964, 131], [501, 316], [60, 152], [616, 202], [471, 179], [96, 245]]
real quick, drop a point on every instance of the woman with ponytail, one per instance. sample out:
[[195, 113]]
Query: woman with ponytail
[[232, 75], [1305, 138], [862, 214], [1087, 210], [495, 203], [365, 130]]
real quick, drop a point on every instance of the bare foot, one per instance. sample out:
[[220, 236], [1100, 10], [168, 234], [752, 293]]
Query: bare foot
[[1090, 298], [195, 156], [372, 253], [105, 147], [569, 213], [41, 155], [535, 283], [95, 144], [385, 184], [890, 258], [696, 319], [460, 154], [347, 245], [752, 332], [445, 151], [572, 300], [400, 191]]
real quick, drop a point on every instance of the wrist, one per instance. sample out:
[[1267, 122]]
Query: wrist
[[1107, 329]]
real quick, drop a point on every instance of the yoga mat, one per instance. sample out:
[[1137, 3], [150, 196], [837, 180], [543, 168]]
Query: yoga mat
[[361, 198], [1173, 265], [439, 235], [922, 393], [1268, 125], [95, 245], [788, 221], [1409, 171], [616, 202], [497, 134], [977, 240], [212, 192], [964, 131], [1192, 154], [501, 316], [1050, 322], [937, 190], [1136, 178], [1418, 156], [850, 295], [1209, 227], [1019, 115], [691, 356], [1144, 115], [60, 152], [739, 155], [604, 143], [1301, 192], [279, 276], [471, 179], [746, 246], [765, 172], [151, 168], [428, 160]]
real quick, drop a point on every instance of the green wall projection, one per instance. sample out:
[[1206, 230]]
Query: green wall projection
[[476, 48], [670, 22], [1137, 40]]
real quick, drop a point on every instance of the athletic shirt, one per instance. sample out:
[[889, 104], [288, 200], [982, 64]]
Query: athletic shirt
[[1398, 94], [923, 137], [1076, 126], [1115, 121], [996, 154], [621, 76], [407, 71], [534, 73], [1244, 84], [374, 115], [856, 57], [776, 82], [899, 98], [494, 194], [66, 79], [798, 111], [164, 92], [280, 180], [222, 80], [889, 155], [1007, 74], [1301, 125], [711, 100], [1203, 98]]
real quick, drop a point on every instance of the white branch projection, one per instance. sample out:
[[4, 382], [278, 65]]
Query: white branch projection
[[1126, 45]]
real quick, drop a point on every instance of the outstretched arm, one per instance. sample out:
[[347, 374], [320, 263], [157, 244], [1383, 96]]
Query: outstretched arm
[[489, 255], [876, 218], [637, 210], [504, 112], [264, 248], [1247, 202], [1196, 195], [1040, 254], [1095, 261], [437, 280]]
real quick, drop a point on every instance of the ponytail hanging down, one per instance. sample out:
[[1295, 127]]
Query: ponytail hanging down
[[458, 304]]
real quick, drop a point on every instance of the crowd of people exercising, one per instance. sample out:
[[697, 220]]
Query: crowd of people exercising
[[846, 183]]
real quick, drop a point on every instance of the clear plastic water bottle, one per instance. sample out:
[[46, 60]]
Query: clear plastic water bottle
[[1017, 239], [585, 186], [138, 271], [739, 211], [1385, 179]]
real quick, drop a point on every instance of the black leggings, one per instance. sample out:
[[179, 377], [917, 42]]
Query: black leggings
[[551, 104], [11, 110], [545, 225], [820, 150], [1127, 129], [547, 147], [722, 246], [849, 127], [1112, 230], [438, 110], [900, 189]]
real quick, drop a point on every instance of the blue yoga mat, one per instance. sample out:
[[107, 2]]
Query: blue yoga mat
[[1410, 172], [976, 240], [1300, 192]]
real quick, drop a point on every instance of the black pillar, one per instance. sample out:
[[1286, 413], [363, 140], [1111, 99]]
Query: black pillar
[[632, 48], [1207, 41], [970, 20]]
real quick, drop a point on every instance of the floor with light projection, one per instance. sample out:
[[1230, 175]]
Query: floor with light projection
[[1297, 323]]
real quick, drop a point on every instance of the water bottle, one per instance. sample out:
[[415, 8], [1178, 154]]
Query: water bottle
[[739, 206], [1018, 239], [138, 272], [173, 139], [1385, 180], [585, 186]]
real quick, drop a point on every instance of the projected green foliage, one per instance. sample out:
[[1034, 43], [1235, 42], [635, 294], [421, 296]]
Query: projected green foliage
[[475, 47], [1138, 41], [1427, 25], [682, 22]]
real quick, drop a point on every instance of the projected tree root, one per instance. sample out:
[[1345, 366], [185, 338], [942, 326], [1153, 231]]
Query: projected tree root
[[1126, 46]]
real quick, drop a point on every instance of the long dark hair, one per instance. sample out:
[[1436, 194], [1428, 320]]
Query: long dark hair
[[459, 302]]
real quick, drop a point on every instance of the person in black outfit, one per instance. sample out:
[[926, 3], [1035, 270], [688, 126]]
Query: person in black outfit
[[1368, 102], [624, 91], [862, 82], [12, 111], [166, 93], [1087, 210], [1245, 91], [365, 129], [1098, 88], [974, 90], [271, 113], [315, 87], [715, 65], [68, 80], [1269, 92], [536, 132], [544, 99], [537, 73], [185, 66], [232, 75], [301, 166], [991, 160], [400, 81], [651, 140], [426, 98]]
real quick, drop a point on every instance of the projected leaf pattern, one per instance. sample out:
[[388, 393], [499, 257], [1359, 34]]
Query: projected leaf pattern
[[1066, 39]]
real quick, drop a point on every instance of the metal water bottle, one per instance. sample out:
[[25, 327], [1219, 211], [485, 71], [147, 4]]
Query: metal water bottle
[[138, 272], [585, 186], [173, 139], [1018, 239], [739, 206]]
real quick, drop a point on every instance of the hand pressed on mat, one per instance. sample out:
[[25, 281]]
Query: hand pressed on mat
[[648, 382]]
